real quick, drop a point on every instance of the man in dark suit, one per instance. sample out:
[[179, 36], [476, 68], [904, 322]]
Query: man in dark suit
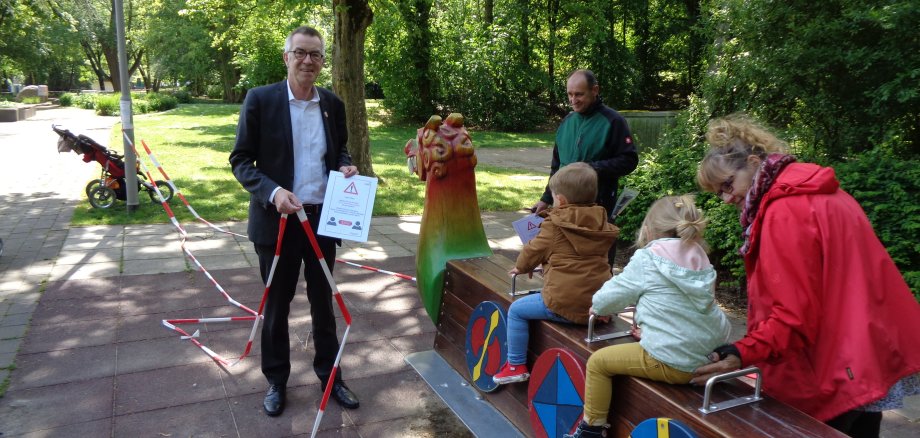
[[290, 136]]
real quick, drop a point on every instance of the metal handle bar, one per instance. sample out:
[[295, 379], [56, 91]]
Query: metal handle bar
[[591, 319], [709, 408], [516, 293]]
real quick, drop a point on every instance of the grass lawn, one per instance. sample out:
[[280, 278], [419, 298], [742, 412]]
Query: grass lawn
[[193, 143]]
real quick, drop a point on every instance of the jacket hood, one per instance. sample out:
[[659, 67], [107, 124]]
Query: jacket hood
[[593, 236], [696, 284], [802, 179]]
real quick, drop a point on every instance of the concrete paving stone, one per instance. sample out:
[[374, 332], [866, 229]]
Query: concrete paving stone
[[75, 309], [72, 244], [225, 261], [10, 345], [401, 394], [77, 257], [343, 432], [97, 428], [298, 417], [17, 308], [69, 335], [411, 344], [401, 323], [228, 276], [155, 266], [9, 332], [90, 288], [361, 330], [162, 251], [383, 253], [136, 233], [131, 328], [52, 410], [151, 354], [80, 272], [157, 389], [438, 422], [42, 268], [247, 294], [384, 298], [207, 419], [4, 306], [370, 358], [16, 319], [911, 409], [158, 302], [63, 366], [5, 362], [396, 229], [151, 283], [96, 231]]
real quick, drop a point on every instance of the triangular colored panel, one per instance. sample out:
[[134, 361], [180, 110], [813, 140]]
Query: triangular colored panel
[[567, 392], [546, 393], [566, 418], [547, 415]]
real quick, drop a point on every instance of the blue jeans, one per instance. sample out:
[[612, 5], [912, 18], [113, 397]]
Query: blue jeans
[[521, 310]]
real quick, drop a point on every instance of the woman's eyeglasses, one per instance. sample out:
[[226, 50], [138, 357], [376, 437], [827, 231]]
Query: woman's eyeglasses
[[300, 54], [727, 187]]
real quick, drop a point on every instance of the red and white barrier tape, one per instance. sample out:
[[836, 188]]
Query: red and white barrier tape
[[382, 271]]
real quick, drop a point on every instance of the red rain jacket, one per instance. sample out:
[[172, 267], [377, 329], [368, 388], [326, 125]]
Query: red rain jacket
[[831, 322]]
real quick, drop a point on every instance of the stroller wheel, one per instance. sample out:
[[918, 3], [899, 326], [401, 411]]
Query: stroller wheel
[[165, 189], [90, 185], [101, 197]]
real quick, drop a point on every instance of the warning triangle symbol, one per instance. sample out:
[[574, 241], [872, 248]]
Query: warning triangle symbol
[[351, 189], [531, 225]]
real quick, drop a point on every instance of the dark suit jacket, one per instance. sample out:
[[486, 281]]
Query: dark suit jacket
[[263, 156]]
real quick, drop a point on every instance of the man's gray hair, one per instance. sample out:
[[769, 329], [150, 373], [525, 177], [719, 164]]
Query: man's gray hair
[[589, 76], [304, 30]]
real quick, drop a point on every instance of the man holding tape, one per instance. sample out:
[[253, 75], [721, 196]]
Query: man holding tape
[[290, 135]]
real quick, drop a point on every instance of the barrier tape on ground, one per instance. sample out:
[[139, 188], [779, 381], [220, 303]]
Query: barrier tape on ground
[[382, 271], [176, 190], [171, 324]]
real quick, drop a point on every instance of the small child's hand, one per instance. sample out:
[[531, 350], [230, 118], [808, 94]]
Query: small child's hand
[[513, 271], [600, 318]]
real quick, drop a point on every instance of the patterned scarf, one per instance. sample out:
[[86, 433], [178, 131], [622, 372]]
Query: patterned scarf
[[763, 179]]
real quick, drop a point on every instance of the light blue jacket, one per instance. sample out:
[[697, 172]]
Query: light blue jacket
[[675, 308]]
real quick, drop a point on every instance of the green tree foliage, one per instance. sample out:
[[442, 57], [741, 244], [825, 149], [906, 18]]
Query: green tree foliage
[[839, 75], [37, 47]]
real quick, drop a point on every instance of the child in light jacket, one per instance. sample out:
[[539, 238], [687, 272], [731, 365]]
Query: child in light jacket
[[672, 283]]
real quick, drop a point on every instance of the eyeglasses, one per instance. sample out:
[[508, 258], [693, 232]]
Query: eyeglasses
[[727, 187], [300, 54]]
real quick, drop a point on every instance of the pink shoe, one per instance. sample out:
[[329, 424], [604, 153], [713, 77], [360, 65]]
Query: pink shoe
[[511, 374]]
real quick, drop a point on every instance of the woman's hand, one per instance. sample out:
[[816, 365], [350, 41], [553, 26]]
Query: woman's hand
[[705, 372]]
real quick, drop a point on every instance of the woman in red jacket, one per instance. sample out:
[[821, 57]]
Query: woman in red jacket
[[831, 322]]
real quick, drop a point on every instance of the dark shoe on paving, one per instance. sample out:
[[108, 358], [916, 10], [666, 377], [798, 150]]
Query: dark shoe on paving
[[274, 401], [344, 396], [586, 431]]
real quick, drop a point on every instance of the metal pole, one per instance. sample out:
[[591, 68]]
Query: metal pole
[[127, 120]]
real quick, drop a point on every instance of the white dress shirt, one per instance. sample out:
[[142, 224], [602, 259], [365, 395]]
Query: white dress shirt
[[309, 135]]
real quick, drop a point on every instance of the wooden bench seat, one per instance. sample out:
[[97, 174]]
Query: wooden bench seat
[[469, 282]]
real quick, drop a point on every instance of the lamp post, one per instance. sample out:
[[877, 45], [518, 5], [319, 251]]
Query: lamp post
[[127, 119]]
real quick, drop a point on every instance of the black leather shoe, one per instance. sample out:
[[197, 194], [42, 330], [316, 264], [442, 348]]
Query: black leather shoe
[[274, 401], [344, 396]]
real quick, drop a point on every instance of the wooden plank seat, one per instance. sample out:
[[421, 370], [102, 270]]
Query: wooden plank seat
[[469, 282]]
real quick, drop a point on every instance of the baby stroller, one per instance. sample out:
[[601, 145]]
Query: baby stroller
[[110, 186]]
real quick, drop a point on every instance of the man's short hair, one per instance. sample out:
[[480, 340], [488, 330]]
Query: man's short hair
[[304, 30], [577, 182], [589, 76]]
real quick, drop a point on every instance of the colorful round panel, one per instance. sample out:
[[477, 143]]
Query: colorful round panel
[[662, 428], [556, 393], [486, 344]]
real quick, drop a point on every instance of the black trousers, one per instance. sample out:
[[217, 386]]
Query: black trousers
[[276, 347], [858, 424]]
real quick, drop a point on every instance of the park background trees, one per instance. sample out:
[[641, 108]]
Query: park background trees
[[839, 79]]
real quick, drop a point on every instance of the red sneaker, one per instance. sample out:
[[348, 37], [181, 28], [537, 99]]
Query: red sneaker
[[511, 374]]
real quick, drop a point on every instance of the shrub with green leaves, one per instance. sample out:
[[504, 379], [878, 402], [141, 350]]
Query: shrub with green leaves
[[161, 102], [182, 96], [888, 189], [86, 101], [108, 105], [31, 100], [66, 99]]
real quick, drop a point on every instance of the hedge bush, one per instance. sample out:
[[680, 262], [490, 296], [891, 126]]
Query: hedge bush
[[108, 105], [66, 99]]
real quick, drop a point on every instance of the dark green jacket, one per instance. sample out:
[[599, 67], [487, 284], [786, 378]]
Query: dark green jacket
[[601, 138]]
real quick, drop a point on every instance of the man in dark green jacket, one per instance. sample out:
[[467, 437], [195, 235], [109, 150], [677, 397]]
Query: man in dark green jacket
[[595, 134]]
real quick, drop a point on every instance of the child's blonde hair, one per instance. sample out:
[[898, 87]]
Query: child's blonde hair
[[673, 216], [577, 182]]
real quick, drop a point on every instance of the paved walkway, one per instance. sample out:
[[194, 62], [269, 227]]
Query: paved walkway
[[84, 353]]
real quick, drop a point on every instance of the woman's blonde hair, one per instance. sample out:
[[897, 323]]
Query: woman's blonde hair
[[673, 216], [733, 139], [577, 182]]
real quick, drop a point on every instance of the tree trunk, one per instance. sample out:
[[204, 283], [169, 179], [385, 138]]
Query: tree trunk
[[352, 18]]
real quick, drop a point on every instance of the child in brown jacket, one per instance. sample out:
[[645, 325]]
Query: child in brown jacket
[[572, 247]]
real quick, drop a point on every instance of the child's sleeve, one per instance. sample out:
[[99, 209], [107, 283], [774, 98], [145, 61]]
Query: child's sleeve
[[622, 290], [536, 252]]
